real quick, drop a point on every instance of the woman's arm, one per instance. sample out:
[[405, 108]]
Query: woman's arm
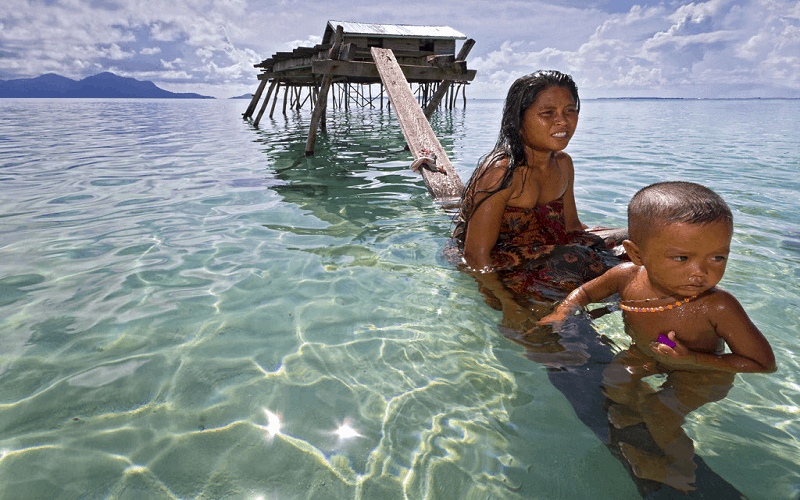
[[483, 230], [572, 222], [484, 223]]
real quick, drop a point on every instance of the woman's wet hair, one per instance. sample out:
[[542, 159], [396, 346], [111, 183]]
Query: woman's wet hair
[[521, 96], [509, 146], [674, 202]]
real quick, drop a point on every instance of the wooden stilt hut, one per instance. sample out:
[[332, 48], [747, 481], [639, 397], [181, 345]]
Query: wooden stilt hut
[[344, 65]]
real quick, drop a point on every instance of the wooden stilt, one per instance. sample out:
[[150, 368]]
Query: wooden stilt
[[445, 84], [322, 97], [275, 100], [254, 102], [266, 101], [286, 91]]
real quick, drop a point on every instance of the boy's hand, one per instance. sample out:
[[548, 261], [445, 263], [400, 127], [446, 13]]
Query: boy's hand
[[676, 351]]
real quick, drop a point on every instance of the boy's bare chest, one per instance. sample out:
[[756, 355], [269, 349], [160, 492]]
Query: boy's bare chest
[[691, 326]]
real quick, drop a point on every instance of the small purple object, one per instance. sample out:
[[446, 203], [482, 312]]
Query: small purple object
[[665, 340]]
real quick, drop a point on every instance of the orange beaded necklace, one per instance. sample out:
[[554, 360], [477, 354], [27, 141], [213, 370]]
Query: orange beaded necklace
[[653, 309]]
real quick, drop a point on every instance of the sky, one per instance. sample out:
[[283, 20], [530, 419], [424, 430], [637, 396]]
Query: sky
[[612, 48]]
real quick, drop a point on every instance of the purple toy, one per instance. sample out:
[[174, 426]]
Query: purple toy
[[665, 340]]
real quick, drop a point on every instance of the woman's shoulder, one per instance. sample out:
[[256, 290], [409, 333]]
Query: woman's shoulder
[[496, 162], [493, 171], [563, 159]]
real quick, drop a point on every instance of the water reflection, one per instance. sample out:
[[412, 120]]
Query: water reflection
[[359, 171]]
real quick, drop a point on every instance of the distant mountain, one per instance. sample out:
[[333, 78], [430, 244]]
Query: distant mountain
[[243, 96], [103, 85]]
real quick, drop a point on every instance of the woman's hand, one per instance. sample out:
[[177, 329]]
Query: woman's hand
[[555, 318]]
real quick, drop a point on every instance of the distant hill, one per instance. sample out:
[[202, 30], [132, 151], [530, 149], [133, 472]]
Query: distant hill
[[243, 96], [103, 85]]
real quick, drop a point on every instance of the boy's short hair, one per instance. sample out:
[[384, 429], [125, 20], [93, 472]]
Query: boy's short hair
[[674, 202]]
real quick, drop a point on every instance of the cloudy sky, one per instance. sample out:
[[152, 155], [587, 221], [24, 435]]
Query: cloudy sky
[[613, 48]]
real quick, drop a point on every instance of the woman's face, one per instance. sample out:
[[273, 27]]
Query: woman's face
[[548, 124]]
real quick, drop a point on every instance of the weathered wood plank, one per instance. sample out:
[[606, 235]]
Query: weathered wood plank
[[445, 187]]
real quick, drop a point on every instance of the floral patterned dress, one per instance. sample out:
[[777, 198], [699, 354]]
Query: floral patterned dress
[[535, 255]]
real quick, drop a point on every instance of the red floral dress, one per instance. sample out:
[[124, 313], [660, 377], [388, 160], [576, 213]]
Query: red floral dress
[[535, 255]]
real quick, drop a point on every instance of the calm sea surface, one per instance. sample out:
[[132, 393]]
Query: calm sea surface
[[191, 308]]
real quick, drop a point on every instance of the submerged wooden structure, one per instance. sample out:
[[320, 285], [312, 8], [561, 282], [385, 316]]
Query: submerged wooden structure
[[355, 56]]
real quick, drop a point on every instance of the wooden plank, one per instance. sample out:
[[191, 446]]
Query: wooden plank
[[446, 187], [411, 73]]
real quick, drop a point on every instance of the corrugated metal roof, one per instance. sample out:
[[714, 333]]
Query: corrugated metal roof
[[396, 30]]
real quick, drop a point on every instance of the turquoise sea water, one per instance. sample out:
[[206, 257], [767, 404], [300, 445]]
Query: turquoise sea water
[[191, 308]]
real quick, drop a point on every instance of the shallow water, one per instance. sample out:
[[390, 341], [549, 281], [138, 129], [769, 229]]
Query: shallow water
[[190, 307]]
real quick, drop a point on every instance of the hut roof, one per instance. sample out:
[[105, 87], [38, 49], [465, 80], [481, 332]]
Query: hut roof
[[391, 31]]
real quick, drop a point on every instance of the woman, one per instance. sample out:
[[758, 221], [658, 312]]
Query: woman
[[518, 225]]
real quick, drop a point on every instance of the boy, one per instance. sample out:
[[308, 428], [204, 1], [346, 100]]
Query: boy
[[679, 323]]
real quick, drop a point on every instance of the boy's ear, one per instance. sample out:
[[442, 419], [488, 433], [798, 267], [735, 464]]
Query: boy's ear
[[633, 251]]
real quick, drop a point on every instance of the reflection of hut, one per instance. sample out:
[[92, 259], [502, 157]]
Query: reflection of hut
[[343, 62]]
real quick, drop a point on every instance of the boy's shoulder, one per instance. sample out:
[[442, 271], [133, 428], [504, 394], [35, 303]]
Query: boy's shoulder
[[619, 276], [720, 300], [626, 270]]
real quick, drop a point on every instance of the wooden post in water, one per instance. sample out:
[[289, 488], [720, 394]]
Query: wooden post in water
[[445, 84], [254, 100], [445, 187], [266, 101], [275, 100], [322, 98]]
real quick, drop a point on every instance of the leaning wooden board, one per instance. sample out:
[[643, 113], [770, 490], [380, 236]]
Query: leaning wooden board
[[445, 187]]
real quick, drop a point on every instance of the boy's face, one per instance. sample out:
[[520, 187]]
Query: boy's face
[[686, 259]]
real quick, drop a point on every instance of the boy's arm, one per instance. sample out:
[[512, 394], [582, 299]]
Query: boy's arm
[[595, 290], [750, 351]]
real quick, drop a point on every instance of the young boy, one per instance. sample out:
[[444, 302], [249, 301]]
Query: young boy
[[680, 235]]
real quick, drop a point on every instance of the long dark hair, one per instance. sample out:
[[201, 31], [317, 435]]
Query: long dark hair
[[509, 146]]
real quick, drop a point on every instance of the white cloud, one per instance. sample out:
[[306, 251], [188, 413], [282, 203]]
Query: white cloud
[[308, 42], [113, 51], [660, 49], [171, 64]]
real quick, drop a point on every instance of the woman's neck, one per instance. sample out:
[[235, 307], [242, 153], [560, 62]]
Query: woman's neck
[[538, 160]]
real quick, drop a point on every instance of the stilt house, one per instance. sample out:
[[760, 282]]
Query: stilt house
[[344, 63]]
